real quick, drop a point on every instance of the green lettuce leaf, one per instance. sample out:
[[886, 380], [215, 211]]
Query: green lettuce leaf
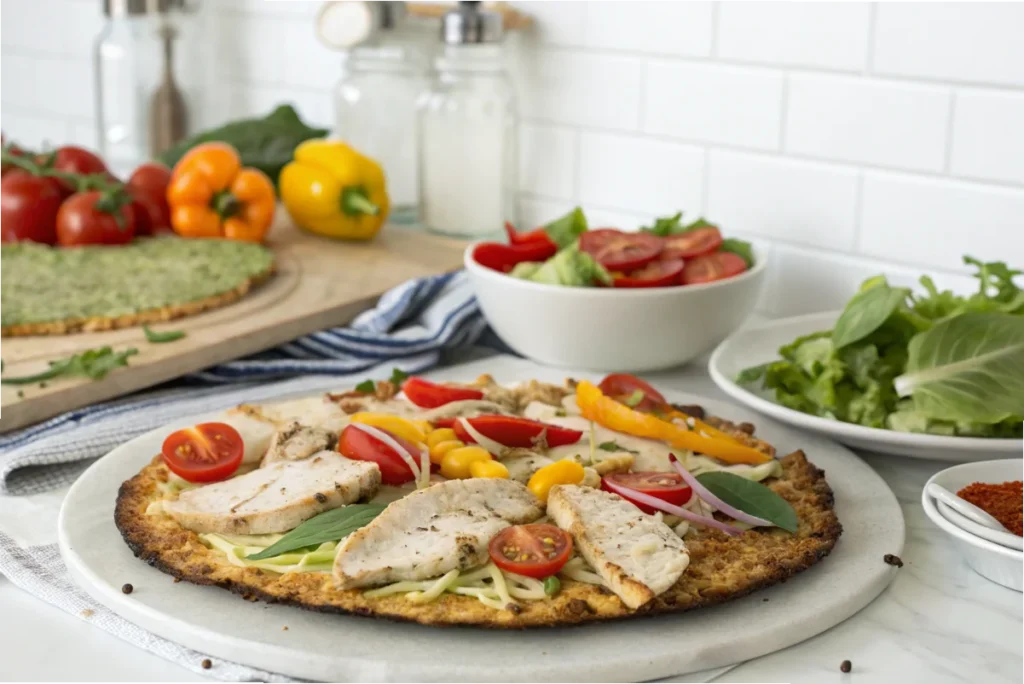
[[565, 230], [740, 248], [569, 267]]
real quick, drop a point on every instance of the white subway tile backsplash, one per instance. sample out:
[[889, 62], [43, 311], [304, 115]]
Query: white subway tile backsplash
[[712, 103], [580, 89], [800, 202], [536, 211], [639, 174], [556, 22], [935, 222], [988, 136], [668, 28], [547, 160], [846, 118], [307, 61], [602, 217], [982, 42], [830, 35], [33, 131]]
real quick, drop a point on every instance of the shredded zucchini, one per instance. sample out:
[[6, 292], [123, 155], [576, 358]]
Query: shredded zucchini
[[237, 547]]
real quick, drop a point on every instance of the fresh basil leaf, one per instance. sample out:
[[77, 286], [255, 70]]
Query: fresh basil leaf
[[967, 368], [866, 313], [161, 337], [740, 248], [332, 525], [750, 497], [366, 387], [699, 223], [666, 225], [563, 231], [634, 399], [92, 363], [398, 376], [614, 446]]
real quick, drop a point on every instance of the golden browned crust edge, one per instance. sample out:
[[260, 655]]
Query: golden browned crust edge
[[721, 568], [165, 313]]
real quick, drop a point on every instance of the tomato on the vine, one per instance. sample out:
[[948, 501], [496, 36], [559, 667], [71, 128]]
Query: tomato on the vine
[[94, 218], [29, 206], [148, 188]]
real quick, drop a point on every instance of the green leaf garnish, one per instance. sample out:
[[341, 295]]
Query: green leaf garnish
[[563, 231], [866, 313], [614, 446], [328, 526], [398, 376], [366, 387], [552, 585], [161, 337], [750, 497], [92, 363], [740, 248], [634, 399]]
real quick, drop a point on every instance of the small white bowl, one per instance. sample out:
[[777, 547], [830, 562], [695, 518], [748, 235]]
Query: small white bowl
[[996, 562], [1001, 537], [602, 329]]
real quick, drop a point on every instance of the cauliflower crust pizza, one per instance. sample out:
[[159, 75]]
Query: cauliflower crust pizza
[[478, 504]]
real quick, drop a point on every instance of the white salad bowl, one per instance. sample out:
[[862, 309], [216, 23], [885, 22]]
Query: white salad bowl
[[993, 561], [604, 329]]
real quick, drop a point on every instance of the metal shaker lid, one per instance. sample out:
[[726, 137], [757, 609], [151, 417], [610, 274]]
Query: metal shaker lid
[[469, 24], [136, 8]]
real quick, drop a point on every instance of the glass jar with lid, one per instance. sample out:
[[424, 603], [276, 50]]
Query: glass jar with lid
[[467, 129]]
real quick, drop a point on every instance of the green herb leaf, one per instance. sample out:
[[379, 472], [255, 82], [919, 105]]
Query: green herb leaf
[[398, 376], [569, 267], [666, 225], [332, 525], [634, 399], [366, 387], [614, 446], [552, 585], [563, 231], [92, 363], [866, 313], [750, 497], [740, 248], [161, 337], [750, 376]]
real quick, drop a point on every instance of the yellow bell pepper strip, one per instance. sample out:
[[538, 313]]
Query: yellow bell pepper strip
[[396, 425], [595, 406], [332, 190], [560, 472], [698, 425]]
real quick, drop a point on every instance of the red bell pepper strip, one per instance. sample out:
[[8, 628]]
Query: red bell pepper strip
[[526, 237], [503, 258]]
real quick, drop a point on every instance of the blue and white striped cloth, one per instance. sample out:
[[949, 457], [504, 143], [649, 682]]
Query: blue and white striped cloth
[[410, 328]]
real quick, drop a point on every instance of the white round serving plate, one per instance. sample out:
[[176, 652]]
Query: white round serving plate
[[759, 344], [995, 562], [350, 648]]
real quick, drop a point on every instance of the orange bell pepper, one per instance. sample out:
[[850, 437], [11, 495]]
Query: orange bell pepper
[[595, 406], [211, 195]]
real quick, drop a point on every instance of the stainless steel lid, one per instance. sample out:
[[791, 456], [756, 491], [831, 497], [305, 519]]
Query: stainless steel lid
[[136, 8], [468, 24]]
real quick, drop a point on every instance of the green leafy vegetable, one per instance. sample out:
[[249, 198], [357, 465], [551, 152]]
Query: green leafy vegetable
[[740, 248], [328, 526], [564, 231], [866, 312], [367, 387], [398, 376], [666, 225], [613, 446], [569, 267], [552, 585], [92, 363], [266, 143], [750, 497], [161, 337]]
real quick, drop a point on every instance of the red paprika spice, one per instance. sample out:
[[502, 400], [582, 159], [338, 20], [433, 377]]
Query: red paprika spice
[[1002, 501]]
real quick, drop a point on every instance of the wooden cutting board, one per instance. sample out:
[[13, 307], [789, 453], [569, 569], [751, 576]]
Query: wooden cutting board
[[319, 283]]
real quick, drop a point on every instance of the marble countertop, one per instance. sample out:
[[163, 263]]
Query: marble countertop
[[937, 622]]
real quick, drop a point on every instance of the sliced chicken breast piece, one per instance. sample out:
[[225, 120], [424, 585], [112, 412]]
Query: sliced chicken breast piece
[[637, 556], [444, 527], [295, 442], [275, 498]]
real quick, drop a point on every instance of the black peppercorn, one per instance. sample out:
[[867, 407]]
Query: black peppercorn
[[206, 664], [845, 666], [127, 588]]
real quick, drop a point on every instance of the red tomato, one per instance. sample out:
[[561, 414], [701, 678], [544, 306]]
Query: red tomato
[[152, 177], [426, 394], [28, 207], [661, 273], [536, 235], [619, 251], [152, 214], [622, 386], [710, 267], [82, 220], [504, 257], [361, 446], [692, 244], [204, 453], [538, 550], [78, 160], [445, 423], [511, 431], [669, 487]]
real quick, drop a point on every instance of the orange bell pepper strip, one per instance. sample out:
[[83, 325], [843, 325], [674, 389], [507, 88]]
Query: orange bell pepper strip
[[212, 196], [595, 406]]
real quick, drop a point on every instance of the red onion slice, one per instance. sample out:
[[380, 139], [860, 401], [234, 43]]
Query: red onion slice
[[410, 459], [704, 493], [666, 507]]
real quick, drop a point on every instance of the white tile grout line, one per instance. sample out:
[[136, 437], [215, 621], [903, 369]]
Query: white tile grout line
[[858, 214], [784, 113], [869, 63], [715, 24], [947, 168]]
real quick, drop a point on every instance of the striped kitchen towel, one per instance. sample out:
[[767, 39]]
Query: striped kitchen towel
[[410, 328]]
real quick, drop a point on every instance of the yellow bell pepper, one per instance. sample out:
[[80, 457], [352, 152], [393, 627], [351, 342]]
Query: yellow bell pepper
[[595, 406], [332, 190], [561, 472], [396, 425], [456, 463]]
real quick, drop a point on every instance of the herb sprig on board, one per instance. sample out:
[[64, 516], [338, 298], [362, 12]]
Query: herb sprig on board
[[92, 363]]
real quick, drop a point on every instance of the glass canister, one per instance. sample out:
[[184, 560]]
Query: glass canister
[[467, 128]]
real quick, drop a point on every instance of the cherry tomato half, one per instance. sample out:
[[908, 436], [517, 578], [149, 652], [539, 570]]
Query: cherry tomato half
[[711, 267], [82, 221], [622, 386], [538, 550], [28, 207], [504, 257], [661, 273], [361, 446], [619, 251], [669, 487], [426, 394], [692, 244], [207, 452], [511, 431]]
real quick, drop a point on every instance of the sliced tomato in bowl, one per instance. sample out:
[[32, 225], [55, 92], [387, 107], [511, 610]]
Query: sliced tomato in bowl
[[538, 550], [711, 267], [620, 251], [512, 431], [426, 394], [692, 244], [207, 452], [623, 386], [669, 487], [360, 445], [659, 273]]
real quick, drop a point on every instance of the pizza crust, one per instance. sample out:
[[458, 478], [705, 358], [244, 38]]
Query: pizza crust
[[721, 568]]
